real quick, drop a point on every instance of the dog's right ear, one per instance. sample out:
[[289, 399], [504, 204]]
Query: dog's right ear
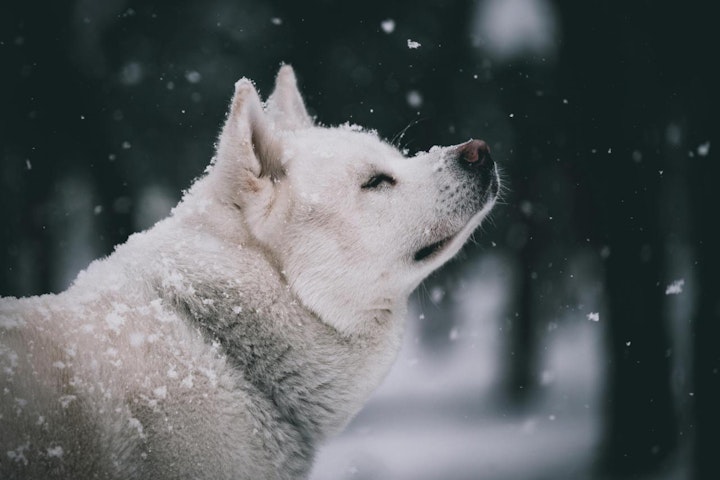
[[285, 105], [248, 149]]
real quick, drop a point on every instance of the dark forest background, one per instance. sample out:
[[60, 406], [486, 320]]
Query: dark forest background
[[601, 113]]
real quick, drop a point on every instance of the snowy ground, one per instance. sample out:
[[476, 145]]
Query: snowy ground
[[510, 448]]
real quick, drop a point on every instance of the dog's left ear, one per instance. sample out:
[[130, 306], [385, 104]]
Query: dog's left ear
[[285, 106], [248, 145]]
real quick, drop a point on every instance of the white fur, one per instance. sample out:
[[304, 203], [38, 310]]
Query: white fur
[[233, 337]]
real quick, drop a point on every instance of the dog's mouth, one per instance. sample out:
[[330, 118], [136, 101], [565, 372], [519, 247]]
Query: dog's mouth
[[434, 249], [431, 250]]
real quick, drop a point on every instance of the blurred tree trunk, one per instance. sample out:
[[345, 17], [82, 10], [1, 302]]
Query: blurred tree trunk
[[699, 82], [707, 317], [529, 233], [523, 341], [642, 428], [539, 194], [612, 72]]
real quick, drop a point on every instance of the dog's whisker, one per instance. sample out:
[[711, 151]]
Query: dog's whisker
[[399, 136]]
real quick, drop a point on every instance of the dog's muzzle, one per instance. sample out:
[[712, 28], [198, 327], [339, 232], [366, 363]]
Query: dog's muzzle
[[474, 157]]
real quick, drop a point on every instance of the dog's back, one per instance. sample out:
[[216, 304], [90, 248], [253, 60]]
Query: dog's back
[[108, 380], [55, 421]]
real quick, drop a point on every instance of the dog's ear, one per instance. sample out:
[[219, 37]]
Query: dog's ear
[[248, 146], [285, 105]]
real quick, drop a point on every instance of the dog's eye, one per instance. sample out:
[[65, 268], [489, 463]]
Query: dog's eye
[[377, 181]]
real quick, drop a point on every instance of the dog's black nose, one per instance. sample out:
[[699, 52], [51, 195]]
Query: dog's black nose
[[475, 154]]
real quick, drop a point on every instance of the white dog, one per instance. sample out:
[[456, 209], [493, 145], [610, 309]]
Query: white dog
[[232, 338]]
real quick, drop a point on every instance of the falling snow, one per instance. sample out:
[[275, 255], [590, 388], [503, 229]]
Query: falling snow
[[703, 149], [414, 99], [437, 294], [428, 439], [388, 26], [131, 74], [675, 287], [547, 377], [193, 76], [413, 44]]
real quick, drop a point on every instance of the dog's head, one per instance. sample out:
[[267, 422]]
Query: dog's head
[[353, 224]]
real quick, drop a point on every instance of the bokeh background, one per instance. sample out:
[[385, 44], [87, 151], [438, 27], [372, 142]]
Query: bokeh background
[[575, 338]]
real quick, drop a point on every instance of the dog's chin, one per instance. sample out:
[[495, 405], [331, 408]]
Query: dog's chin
[[439, 252]]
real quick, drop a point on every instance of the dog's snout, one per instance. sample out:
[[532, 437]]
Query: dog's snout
[[475, 154]]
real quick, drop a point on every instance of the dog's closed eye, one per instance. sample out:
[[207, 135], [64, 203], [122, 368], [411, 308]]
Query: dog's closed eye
[[378, 180]]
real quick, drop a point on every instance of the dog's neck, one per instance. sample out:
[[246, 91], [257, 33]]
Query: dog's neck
[[317, 377]]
